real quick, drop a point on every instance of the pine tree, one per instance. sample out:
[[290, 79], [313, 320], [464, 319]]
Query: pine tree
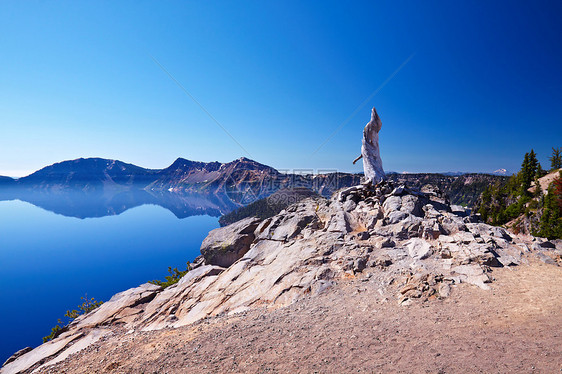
[[540, 171], [527, 173], [556, 159], [533, 163], [558, 191], [551, 220]]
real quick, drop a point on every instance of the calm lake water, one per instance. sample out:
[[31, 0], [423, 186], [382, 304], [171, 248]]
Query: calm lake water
[[49, 261]]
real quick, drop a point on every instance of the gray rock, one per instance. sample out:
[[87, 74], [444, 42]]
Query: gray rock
[[321, 286], [463, 237], [359, 264], [473, 218], [119, 306], [345, 192], [379, 260], [339, 223], [446, 239], [547, 244], [482, 254], [409, 227], [391, 204], [80, 344], [431, 212], [203, 271], [16, 355], [370, 221], [460, 210], [508, 260], [263, 230], [473, 274], [418, 248], [388, 243], [545, 258], [29, 359], [349, 205], [509, 255], [431, 229], [452, 224], [384, 231], [197, 262], [396, 216], [413, 205], [363, 235], [226, 245], [444, 290], [500, 232], [292, 226], [398, 191]]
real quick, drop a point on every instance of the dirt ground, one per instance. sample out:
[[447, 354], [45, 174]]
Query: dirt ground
[[516, 327]]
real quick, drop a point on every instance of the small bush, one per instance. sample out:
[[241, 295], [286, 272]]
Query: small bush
[[87, 306], [173, 278], [55, 331]]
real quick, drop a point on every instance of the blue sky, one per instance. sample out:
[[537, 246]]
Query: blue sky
[[77, 79]]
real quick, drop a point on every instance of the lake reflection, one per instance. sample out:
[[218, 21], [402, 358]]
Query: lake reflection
[[50, 260], [108, 202]]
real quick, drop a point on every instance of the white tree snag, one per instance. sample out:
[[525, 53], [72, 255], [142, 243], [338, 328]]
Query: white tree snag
[[372, 163]]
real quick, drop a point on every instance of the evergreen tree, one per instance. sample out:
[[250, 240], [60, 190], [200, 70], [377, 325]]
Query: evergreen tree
[[551, 220], [556, 158], [527, 173], [540, 171], [503, 203], [558, 191], [533, 163]]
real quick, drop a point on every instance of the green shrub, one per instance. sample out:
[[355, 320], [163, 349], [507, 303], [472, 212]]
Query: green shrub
[[55, 331], [173, 278], [500, 204]]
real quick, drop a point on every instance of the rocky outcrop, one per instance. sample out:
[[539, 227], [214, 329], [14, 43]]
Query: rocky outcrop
[[17, 354], [226, 245], [414, 246]]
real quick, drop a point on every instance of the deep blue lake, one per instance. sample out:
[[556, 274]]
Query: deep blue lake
[[50, 260]]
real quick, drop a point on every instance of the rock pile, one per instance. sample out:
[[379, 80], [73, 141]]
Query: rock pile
[[412, 245]]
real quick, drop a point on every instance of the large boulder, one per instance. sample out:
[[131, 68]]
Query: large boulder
[[226, 245], [391, 204], [19, 353], [413, 205], [122, 307], [418, 248]]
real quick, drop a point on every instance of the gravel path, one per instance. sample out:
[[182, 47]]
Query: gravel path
[[515, 327]]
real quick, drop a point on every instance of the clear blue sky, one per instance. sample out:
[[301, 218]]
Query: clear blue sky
[[77, 79]]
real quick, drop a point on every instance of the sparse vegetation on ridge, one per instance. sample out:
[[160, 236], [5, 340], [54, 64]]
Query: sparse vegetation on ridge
[[173, 278], [87, 306], [523, 204]]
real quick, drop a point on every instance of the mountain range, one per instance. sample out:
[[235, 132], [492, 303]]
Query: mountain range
[[93, 187]]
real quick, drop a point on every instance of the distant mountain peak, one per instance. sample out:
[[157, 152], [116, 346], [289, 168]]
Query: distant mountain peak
[[500, 172]]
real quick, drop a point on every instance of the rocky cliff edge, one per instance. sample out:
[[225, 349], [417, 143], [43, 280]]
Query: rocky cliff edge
[[412, 244]]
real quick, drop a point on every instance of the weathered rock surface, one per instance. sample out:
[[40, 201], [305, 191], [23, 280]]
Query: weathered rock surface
[[413, 245], [225, 245], [17, 354]]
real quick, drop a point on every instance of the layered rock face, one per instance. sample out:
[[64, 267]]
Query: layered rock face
[[413, 245]]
